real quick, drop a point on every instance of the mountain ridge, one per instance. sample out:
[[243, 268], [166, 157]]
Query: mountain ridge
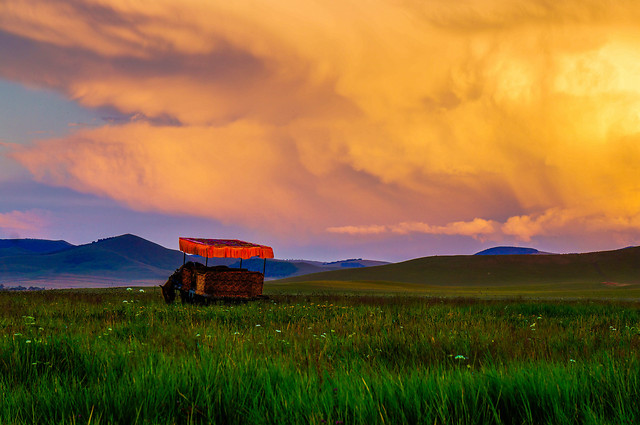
[[32, 246], [120, 260]]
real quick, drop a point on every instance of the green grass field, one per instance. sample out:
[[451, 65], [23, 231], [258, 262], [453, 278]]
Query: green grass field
[[566, 291], [122, 356]]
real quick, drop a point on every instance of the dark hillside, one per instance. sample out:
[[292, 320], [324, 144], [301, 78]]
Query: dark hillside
[[123, 258], [508, 250], [140, 250], [120, 260], [31, 246]]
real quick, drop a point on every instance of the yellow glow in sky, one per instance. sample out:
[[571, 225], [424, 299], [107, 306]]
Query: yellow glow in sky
[[486, 119]]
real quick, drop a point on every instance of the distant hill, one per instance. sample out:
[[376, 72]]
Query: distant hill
[[140, 250], [113, 261], [277, 269], [619, 267], [31, 246], [510, 250], [121, 260], [354, 262]]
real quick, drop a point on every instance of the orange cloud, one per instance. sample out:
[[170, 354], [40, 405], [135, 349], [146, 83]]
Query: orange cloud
[[326, 114], [476, 228], [240, 173], [552, 222], [20, 222], [567, 222], [358, 230]]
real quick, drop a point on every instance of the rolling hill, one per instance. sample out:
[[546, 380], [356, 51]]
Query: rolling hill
[[510, 250], [114, 261], [131, 260], [121, 260], [619, 267], [14, 247]]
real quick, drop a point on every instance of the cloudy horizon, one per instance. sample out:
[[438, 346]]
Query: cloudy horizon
[[389, 130]]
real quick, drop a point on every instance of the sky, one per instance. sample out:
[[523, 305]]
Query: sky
[[385, 129]]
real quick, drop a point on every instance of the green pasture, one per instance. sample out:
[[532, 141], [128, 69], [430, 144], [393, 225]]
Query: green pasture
[[121, 356], [557, 291]]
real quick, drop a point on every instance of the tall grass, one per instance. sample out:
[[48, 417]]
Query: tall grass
[[74, 357]]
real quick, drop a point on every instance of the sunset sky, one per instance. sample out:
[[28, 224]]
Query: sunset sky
[[381, 129]]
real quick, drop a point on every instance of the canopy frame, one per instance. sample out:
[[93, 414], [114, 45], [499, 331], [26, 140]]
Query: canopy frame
[[224, 248]]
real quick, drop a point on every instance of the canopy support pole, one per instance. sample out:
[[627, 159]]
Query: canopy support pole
[[241, 263], [264, 266], [206, 262], [184, 258]]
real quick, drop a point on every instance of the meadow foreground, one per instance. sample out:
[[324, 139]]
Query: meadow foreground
[[122, 356]]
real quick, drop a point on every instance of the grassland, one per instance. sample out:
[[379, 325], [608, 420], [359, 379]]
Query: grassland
[[540, 291], [121, 356]]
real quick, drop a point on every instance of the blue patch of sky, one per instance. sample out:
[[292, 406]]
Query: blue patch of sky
[[81, 218], [28, 114]]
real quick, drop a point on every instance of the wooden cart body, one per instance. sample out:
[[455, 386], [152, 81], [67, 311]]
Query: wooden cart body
[[196, 283]]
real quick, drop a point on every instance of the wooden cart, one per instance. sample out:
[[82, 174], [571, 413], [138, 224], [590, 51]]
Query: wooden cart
[[197, 283]]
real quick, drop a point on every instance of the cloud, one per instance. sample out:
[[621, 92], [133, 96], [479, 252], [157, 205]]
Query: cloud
[[324, 114], [476, 228], [16, 223], [358, 230], [236, 174], [557, 221], [553, 222]]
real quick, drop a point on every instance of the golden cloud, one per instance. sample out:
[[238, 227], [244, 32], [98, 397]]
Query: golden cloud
[[358, 230], [478, 118], [476, 228], [18, 222]]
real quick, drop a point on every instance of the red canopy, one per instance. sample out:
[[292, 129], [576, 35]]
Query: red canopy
[[231, 248]]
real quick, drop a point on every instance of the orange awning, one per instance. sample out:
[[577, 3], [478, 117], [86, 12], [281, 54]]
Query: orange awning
[[229, 248]]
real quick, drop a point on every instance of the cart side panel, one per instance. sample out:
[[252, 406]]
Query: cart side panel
[[236, 283]]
